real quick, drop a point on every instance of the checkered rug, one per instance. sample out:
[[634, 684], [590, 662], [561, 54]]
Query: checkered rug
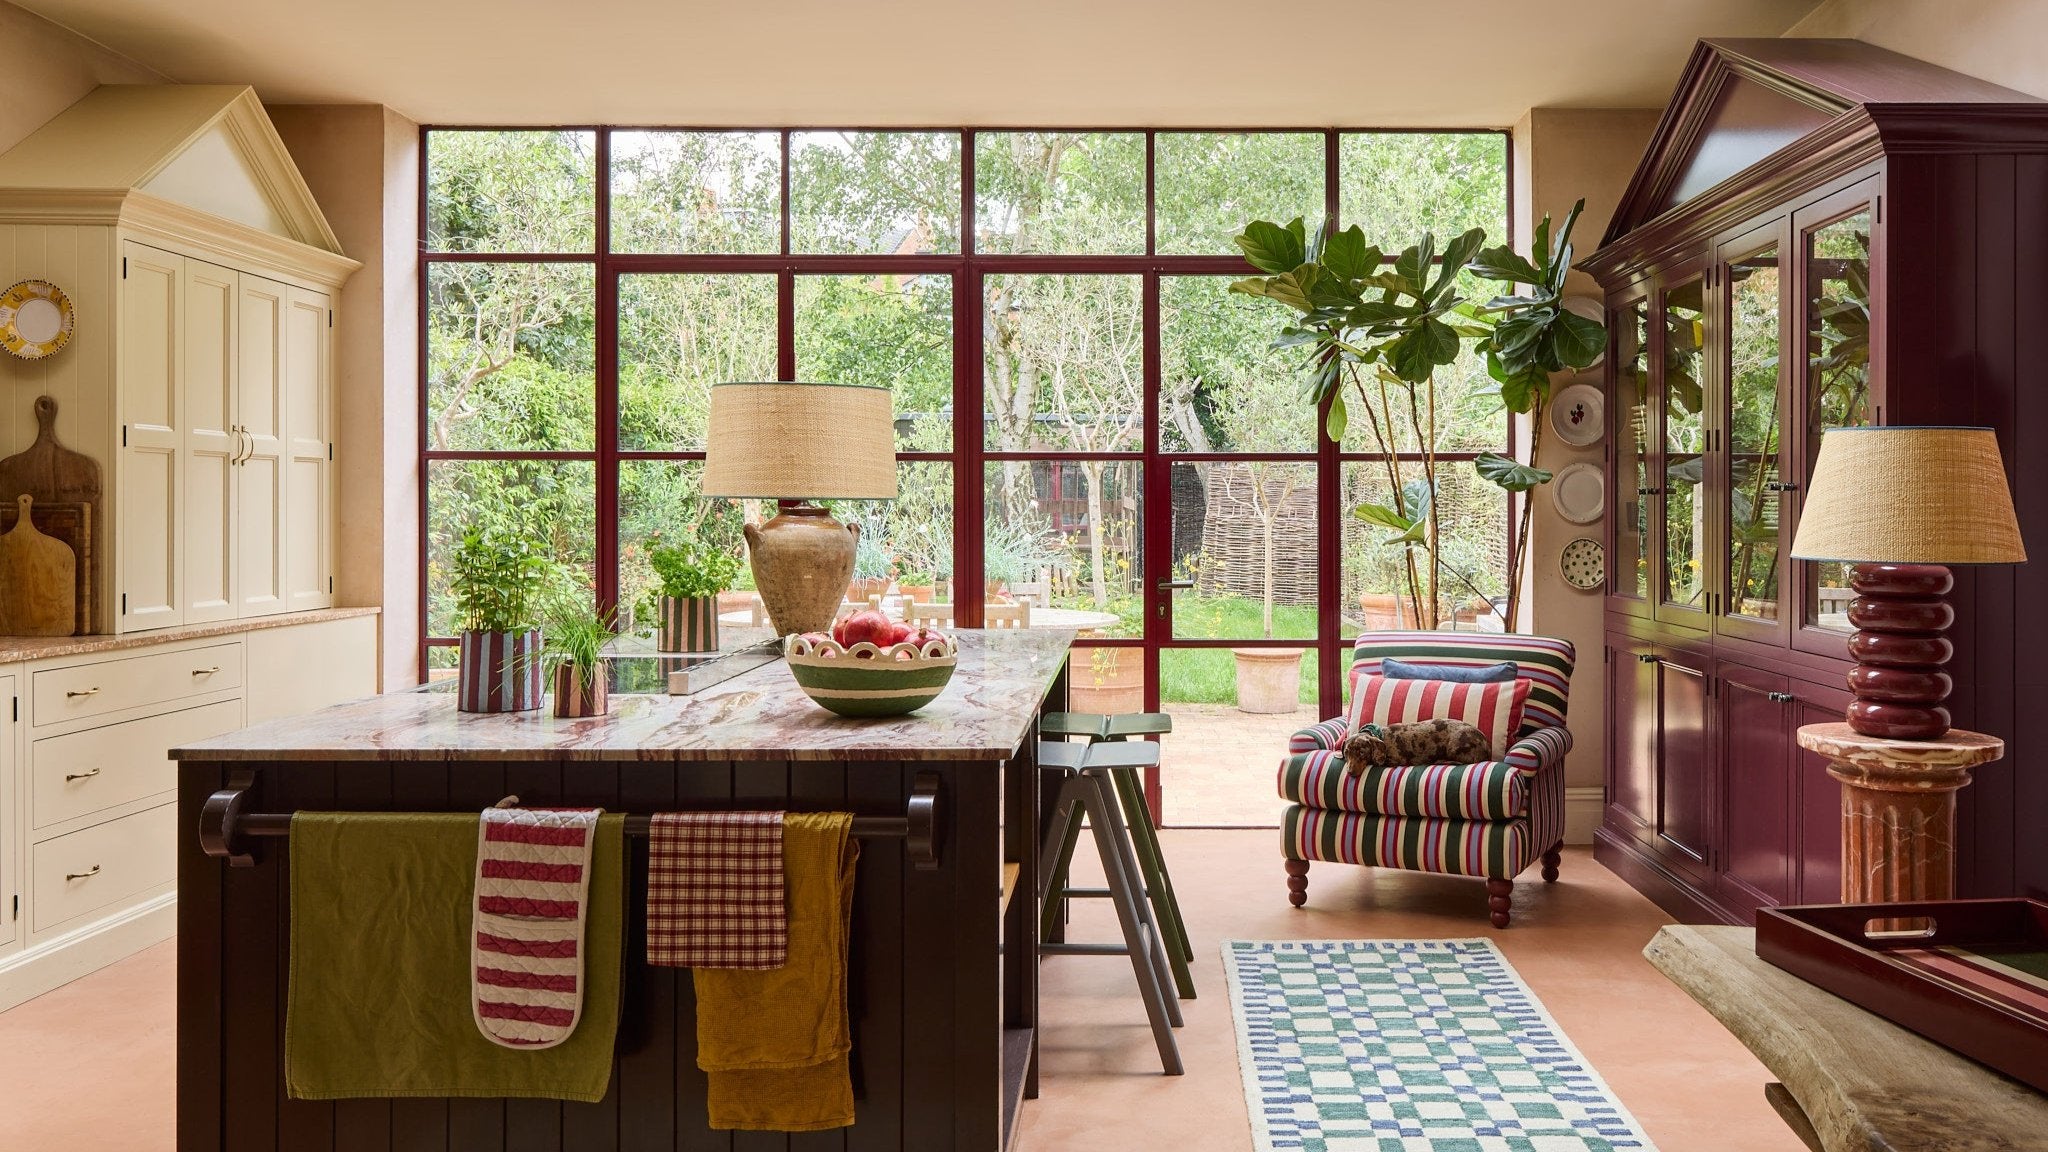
[[1409, 1046]]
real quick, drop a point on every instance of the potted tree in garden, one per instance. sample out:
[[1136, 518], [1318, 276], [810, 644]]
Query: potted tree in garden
[[692, 574], [496, 579], [576, 637]]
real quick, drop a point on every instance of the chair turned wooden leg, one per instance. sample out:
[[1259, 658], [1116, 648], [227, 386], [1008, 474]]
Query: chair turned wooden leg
[[1297, 882], [1551, 860], [1500, 898]]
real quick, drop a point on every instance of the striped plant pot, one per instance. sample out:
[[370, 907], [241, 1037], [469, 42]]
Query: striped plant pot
[[499, 672], [688, 624], [576, 697]]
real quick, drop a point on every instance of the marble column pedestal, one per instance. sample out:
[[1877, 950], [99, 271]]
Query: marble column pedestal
[[1899, 808]]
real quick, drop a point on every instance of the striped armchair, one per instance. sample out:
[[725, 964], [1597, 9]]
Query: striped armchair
[[1487, 820]]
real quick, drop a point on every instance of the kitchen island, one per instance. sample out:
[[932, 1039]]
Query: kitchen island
[[944, 1046]]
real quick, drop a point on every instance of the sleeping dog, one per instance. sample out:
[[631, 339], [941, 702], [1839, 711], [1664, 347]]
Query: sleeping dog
[[1429, 742]]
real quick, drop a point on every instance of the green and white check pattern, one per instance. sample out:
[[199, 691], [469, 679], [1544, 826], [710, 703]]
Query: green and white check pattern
[[1409, 1046]]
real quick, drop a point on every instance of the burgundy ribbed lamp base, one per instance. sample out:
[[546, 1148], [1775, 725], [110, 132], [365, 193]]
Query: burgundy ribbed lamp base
[[1900, 613]]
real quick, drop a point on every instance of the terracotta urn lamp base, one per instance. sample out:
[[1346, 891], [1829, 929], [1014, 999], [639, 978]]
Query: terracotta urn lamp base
[[803, 563]]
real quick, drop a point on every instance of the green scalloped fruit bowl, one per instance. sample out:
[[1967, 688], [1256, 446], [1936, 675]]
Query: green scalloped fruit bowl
[[893, 681]]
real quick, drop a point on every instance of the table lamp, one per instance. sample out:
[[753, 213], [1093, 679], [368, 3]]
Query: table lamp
[[1900, 504], [796, 443]]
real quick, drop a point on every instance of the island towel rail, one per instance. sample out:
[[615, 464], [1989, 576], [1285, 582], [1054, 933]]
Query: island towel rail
[[225, 824]]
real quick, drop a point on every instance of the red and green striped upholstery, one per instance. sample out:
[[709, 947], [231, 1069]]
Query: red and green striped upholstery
[[1491, 790], [1544, 662], [1489, 848]]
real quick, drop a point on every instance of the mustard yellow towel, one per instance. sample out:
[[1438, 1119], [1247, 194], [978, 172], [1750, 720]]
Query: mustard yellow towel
[[774, 1043], [379, 1000]]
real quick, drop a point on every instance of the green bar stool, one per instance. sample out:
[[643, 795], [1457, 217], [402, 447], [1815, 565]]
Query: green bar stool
[[1122, 766]]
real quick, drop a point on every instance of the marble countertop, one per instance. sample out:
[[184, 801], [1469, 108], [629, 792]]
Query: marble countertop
[[997, 687], [14, 649]]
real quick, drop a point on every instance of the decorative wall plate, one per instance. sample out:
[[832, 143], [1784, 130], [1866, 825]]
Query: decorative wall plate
[[35, 319], [1592, 309], [1579, 492], [1584, 564], [1578, 413]]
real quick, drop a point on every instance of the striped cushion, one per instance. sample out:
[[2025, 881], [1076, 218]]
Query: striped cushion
[[1493, 790], [1543, 662], [1497, 849], [1495, 708], [1326, 735]]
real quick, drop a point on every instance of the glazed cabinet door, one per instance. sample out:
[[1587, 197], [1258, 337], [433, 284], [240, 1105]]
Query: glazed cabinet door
[[1749, 473], [1755, 713], [1838, 244], [1633, 481], [1632, 739], [1680, 580], [1687, 795], [260, 465], [305, 547], [212, 441], [149, 475]]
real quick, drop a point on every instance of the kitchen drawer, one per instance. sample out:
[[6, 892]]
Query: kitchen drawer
[[124, 682], [95, 869], [80, 773]]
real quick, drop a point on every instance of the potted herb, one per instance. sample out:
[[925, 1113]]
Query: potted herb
[[496, 579], [692, 574], [919, 586], [576, 637]]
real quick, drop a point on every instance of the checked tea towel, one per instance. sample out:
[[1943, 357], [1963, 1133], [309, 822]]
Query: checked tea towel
[[532, 885], [715, 891]]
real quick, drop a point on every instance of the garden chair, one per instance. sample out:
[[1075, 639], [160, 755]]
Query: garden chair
[[1488, 820]]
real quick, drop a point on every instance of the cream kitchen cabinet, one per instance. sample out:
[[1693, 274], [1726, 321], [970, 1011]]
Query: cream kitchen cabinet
[[10, 818]]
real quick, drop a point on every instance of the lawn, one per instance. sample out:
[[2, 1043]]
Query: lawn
[[1209, 675]]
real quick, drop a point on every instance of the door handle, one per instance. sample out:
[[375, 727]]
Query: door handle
[[235, 453], [1780, 486], [249, 452], [70, 776], [1646, 657], [1779, 697], [1172, 585], [1649, 491], [89, 872]]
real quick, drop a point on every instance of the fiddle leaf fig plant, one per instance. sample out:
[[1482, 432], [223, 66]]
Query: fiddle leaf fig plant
[[1377, 331]]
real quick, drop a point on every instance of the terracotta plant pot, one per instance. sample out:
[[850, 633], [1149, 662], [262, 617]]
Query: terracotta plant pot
[[1107, 680], [918, 593], [1268, 679], [576, 697], [1387, 612], [499, 672], [687, 624]]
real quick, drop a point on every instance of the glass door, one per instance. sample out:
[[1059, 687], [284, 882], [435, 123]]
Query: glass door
[[1630, 422], [1681, 408], [1838, 387], [1752, 490]]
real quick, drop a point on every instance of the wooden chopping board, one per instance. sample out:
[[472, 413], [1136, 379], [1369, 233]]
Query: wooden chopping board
[[47, 470], [70, 524], [38, 580]]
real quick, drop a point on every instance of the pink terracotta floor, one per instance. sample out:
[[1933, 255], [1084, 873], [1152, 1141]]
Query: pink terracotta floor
[[88, 1067]]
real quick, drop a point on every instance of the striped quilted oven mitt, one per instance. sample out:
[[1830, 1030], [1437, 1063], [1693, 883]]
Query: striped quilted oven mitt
[[532, 894]]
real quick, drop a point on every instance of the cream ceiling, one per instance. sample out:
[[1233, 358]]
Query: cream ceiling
[[1414, 63]]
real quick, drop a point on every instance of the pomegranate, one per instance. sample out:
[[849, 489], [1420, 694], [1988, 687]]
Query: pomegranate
[[868, 626]]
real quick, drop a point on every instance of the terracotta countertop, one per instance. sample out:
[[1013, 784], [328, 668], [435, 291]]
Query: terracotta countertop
[[986, 711], [14, 649]]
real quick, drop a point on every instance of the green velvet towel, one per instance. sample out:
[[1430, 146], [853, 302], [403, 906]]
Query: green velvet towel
[[380, 965]]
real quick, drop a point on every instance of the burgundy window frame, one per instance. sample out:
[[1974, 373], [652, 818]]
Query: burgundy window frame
[[969, 455]]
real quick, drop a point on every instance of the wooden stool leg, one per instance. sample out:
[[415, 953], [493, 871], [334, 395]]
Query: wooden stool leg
[[1130, 916], [1297, 882], [1120, 833], [1500, 899], [1551, 860], [1158, 886], [1054, 861]]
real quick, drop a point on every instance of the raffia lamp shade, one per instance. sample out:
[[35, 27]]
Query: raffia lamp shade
[[801, 442], [1909, 496]]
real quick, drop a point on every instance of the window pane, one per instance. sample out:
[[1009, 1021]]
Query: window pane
[[696, 192], [1837, 372], [1473, 539], [1631, 574], [554, 502], [1068, 532], [1462, 403], [511, 191], [906, 542], [891, 193], [1685, 534], [1398, 185], [679, 335], [1210, 185], [1063, 363], [510, 357], [1244, 532], [1753, 435], [663, 498], [1224, 387], [894, 332], [1074, 192]]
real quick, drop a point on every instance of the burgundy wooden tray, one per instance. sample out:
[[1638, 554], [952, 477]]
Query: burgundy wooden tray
[[1975, 981]]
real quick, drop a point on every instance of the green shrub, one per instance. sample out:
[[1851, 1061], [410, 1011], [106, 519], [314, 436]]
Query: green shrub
[[692, 568]]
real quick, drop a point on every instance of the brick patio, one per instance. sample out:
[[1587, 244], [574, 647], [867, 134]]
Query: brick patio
[[1217, 765]]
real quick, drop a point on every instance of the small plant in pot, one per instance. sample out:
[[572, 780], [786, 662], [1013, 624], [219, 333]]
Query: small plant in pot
[[497, 579], [692, 574], [576, 637]]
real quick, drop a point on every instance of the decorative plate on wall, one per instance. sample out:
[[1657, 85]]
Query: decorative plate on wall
[[1584, 564], [1579, 492], [1578, 413], [35, 319]]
